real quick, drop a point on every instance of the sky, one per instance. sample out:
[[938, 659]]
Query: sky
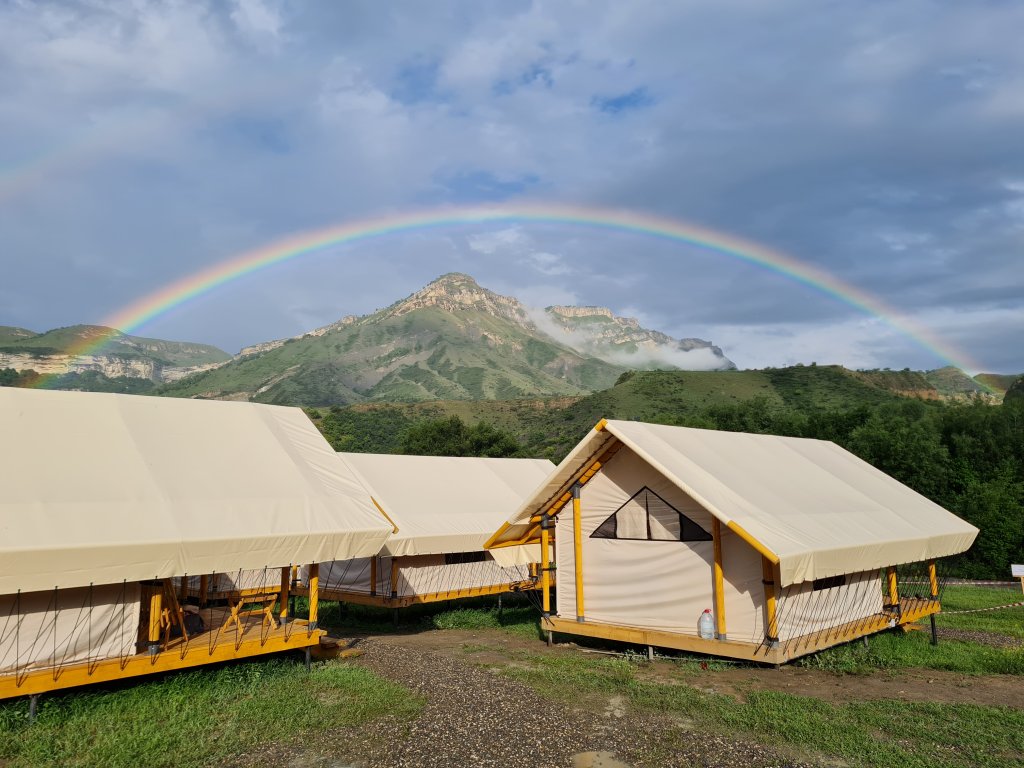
[[881, 142]]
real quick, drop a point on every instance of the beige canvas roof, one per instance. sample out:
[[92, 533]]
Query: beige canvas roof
[[446, 504], [814, 506], [99, 488]]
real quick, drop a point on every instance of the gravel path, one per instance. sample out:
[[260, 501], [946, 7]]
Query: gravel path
[[475, 717]]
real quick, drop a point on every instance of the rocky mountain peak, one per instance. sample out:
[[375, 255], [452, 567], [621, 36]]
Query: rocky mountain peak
[[456, 292]]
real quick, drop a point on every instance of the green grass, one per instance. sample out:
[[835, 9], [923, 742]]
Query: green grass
[[1009, 621], [894, 651], [878, 734], [197, 718]]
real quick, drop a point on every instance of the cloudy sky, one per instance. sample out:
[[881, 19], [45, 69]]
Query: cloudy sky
[[881, 142]]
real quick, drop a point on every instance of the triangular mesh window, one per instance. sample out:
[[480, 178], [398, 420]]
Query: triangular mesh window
[[648, 517]]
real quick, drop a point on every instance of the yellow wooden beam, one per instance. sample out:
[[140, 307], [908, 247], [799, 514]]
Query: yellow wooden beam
[[394, 526], [599, 427], [314, 593], [933, 579], [198, 654], [894, 592], [155, 611], [286, 585], [740, 531], [663, 639], [716, 536], [577, 541], [770, 601], [545, 564]]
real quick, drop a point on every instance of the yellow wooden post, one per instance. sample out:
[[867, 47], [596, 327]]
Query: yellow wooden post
[[156, 600], [373, 575], [770, 602], [286, 584], [933, 582], [314, 593], [716, 535], [894, 592], [545, 565], [577, 538]]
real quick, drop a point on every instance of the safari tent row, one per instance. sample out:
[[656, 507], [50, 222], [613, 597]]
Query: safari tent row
[[444, 509], [108, 503], [792, 545]]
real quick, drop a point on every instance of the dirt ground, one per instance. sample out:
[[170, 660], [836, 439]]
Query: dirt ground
[[495, 647]]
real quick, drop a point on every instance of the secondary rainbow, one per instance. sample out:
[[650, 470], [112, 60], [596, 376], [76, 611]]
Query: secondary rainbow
[[149, 307]]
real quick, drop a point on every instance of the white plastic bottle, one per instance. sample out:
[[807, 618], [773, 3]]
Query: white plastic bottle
[[706, 625]]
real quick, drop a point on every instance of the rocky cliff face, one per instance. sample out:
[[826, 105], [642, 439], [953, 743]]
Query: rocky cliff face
[[110, 366], [599, 332], [456, 292], [113, 354]]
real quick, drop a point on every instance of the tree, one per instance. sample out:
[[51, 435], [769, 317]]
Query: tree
[[452, 437]]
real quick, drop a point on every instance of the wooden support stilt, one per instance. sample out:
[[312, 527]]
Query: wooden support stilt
[[33, 707], [650, 653]]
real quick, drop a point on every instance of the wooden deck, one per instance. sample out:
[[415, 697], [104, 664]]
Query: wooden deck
[[911, 610], [404, 601], [213, 645]]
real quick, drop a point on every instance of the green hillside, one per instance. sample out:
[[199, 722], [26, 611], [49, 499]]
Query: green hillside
[[13, 334], [550, 427], [998, 382], [109, 342], [406, 353]]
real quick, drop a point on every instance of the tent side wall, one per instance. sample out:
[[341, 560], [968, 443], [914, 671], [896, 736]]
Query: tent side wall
[[420, 578], [42, 630]]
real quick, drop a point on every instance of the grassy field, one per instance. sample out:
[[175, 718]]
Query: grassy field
[[882, 734], [212, 715], [197, 718]]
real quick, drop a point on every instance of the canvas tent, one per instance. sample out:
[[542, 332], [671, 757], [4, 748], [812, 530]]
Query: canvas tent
[[792, 544], [105, 498], [444, 508]]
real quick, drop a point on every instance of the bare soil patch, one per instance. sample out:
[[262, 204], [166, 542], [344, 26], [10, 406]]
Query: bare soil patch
[[495, 647]]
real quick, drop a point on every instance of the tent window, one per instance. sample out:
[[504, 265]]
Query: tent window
[[648, 517], [455, 558], [830, 583]]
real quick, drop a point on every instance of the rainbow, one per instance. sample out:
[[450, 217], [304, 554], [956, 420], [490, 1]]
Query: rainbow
[[147, 308]]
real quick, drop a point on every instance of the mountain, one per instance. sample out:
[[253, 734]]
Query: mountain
[[112, 354], [598, 332], [450, 340], [998, 382]]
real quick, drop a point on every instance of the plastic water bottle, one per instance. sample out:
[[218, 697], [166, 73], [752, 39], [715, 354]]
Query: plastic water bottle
[[706, 625]]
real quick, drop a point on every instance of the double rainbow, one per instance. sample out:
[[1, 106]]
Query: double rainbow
[[147, 308]]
